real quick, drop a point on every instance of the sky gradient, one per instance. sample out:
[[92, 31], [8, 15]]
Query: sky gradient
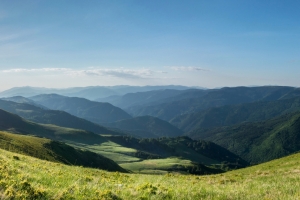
[[67, 43]]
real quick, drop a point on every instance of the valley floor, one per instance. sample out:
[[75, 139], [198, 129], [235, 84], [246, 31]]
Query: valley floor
[[30, 178]]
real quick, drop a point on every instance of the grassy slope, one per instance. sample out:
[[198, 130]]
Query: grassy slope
[[133, 154], [137, 161], [54, 151], [257, 142], [31, 178], [112, 150], [182, 148]]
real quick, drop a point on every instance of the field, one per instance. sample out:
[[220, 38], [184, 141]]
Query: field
[[113, 151], [127, 159], [30, 178], [157, 166]]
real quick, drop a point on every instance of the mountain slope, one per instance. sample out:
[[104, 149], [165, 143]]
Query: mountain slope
[[257, 142], [203, 152], [94, 142], [20, 99], [55, 151], [14, 123], [93, 111], [146, 126], [90, 92], [234, 114], [55, 117], [211, 98]]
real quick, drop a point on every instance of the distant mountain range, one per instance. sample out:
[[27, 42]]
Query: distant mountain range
[[144, 127], [91, 92], [195, 101], [142, 98]]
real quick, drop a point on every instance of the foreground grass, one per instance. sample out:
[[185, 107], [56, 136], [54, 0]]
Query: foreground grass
[[30, 178]]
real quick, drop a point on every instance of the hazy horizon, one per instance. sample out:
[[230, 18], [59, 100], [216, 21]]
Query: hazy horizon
[[197, 87]]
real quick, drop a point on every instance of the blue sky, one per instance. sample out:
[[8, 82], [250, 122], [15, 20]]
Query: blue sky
[[65, 43]]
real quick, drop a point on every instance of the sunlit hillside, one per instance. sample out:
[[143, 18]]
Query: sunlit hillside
[[23, 177]]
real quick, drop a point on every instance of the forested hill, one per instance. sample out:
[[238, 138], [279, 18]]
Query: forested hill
[[257, 142]]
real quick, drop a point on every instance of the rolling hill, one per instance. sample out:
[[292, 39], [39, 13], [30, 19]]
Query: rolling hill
[[55, 151], [55, 117], [203, 152], [31, 178], [93, 111], [257, 142], [15, 124], [113, 149], [146, 127]]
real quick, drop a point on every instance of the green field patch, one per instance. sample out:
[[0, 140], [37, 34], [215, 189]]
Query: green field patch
[[112, 147], [162, 165], [118, 157], [111, 150]]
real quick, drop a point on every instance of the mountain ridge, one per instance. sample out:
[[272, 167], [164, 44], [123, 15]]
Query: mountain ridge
[[234, 114], [55, 117], [90, 110]]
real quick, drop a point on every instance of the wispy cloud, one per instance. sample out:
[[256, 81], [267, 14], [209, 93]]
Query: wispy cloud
[[189, 68], [118, 72], [20, 70]]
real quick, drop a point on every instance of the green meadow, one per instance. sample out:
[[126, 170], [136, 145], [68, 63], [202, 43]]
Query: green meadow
[[111, 150], [24, 177], [158, 165]]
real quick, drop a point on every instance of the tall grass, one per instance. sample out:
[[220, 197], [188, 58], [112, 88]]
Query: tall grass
[[23, 177]]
